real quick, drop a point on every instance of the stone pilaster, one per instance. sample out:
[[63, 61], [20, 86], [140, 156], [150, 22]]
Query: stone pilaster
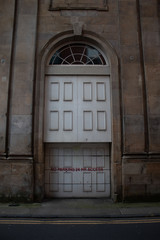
[[23, 66], [6, 38]]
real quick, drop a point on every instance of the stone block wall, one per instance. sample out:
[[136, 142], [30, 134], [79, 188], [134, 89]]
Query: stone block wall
[[141, 180], [150, 17], [131, 79], [18, 31], [141, 176], [16, 180], [6, 32], [132, 28], [21, 99]]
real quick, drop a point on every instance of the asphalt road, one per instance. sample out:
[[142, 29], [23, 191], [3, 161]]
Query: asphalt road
[[76, 229]]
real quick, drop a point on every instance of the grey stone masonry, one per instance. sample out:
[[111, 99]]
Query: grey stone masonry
[[23, 66]]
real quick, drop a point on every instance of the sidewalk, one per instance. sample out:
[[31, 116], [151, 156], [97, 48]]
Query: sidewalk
[[85, 208]]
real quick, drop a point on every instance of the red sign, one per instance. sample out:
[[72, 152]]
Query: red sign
[[76, 169]]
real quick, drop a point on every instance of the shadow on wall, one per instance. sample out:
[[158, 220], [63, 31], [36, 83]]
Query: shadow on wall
[[158, 7], [158, 12]]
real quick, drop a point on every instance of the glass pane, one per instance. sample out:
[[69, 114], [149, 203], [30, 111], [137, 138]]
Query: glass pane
[[77, 57], [57, 60], [92, 53], [85, 59], [65, 53], [97, 61], [77, 49], [69, 59], [77, 54]]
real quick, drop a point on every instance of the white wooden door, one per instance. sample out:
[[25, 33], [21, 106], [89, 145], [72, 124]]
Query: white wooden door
[[60, 120], [77, 170], [77, 116], [77, 109], [94, 118]]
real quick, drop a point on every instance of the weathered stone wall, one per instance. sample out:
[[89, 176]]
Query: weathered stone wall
[[141, 179], [6, 33], [150, 19], [131, 79], [16, 180], [18, 27], [132, 28], [23, 67], [141, 173]]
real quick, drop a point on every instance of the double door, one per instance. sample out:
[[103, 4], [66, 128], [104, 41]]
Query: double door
[[77, 109], [77, 132]]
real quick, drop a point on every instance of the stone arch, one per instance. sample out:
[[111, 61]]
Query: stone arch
[[99, 42]]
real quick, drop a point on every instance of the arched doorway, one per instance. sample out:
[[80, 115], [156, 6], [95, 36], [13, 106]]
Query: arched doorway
[[83, 130], [77, 123]]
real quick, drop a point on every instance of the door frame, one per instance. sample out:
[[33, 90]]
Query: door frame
[[107, 49]]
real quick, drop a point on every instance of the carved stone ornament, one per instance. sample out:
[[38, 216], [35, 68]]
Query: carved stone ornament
[[57, 5], [77, 28]]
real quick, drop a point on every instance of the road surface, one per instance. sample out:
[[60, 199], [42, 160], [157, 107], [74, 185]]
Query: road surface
[[76, 229]]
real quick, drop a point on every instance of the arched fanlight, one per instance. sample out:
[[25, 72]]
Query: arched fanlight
[[77, 54]]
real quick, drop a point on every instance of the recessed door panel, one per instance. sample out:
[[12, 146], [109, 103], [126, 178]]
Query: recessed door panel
[[54, 91], [87, 91], [68, 91], [100, 91], [54, 121]]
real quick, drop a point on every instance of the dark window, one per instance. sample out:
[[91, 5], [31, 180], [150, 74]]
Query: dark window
[[79, 54]]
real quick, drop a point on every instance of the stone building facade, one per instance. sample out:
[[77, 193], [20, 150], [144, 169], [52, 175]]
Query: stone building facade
[[127, 34]]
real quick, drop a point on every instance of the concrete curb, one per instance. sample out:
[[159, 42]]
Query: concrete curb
[[60, 215], [79, 216], [78, 209]]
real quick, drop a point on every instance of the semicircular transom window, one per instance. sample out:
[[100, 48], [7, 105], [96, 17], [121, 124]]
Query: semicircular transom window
[[77, 54]]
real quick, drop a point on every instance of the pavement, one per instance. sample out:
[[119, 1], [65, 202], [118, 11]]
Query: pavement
[[79, 208]]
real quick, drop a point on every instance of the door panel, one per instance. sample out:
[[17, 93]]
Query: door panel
[[60, 121], [77, 109], [94, 124]]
